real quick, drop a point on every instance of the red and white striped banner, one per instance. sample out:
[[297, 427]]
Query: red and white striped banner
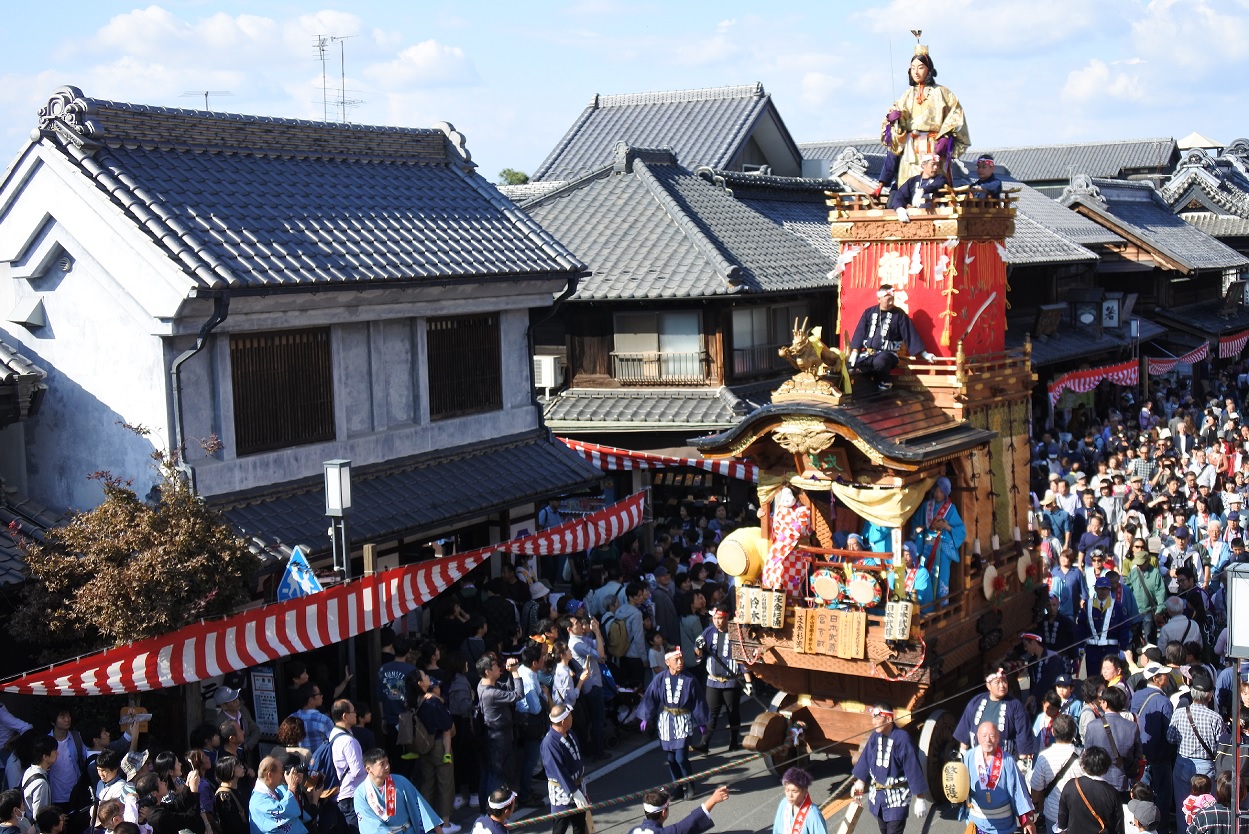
[[611, 459], [582, 534], [1231, 346], [217, 647], [1158, 367], [1125, 373]]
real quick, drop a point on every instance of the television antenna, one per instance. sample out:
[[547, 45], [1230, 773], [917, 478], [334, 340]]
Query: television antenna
[[205, 94], [343, 103]]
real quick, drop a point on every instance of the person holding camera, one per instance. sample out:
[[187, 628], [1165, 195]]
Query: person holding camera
[[727, 679], [274, 807]]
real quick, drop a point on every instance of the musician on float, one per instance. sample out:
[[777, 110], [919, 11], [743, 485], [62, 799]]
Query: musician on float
[[986, 183], [998, 801], [927, 119], [939, 533], [889, 773], [998, 707], [675, 700], [916, 580], [881, 332]]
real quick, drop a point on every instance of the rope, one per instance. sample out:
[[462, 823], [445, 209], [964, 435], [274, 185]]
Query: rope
[[735, 763]]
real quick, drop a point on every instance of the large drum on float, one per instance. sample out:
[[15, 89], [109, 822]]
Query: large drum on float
[[742, 552], [828, 585]]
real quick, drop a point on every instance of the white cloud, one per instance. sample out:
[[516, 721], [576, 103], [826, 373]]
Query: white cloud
[[1196, 35], [1009, 26], [1096, 82], [428, 63], [818, 88]]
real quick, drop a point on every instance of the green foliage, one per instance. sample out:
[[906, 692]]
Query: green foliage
[[510, 176], [129, 570]]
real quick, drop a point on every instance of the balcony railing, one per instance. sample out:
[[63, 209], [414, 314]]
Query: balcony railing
[[757, 360], [660, 368]]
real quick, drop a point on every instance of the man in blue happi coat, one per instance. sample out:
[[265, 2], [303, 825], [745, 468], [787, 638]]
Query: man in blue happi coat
[[675, 703], [998, 801], [655, 806], [889, 774], [561, 759], [1004, 710]]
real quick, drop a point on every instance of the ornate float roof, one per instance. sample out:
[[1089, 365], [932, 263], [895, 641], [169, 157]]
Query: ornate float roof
[[900, 428]]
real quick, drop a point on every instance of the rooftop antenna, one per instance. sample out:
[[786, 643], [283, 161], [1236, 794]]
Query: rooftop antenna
[[322, 42], [343, 101], [206, 94]]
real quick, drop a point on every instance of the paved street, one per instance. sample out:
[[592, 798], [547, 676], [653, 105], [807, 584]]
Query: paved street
[[749, 809]]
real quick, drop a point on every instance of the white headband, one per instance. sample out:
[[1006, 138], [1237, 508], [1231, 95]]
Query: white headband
[[992, 676], [883, 293], [556, 718], [654, 809], [495, 806], [673, 654]]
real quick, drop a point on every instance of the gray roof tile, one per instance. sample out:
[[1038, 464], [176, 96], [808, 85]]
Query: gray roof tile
[[421, 494], [21, 518], [649, 228], [1041, 163], [1135, 209], [703, 127], [1205, 317], [1069, 343], [651, 409], [253, 202]]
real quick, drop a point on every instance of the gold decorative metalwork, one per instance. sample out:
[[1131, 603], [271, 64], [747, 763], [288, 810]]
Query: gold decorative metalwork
[[803, 435]]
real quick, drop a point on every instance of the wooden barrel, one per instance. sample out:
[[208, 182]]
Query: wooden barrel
[[741, 553]]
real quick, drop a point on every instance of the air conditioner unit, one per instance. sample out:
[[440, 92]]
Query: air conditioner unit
[[547, 371]]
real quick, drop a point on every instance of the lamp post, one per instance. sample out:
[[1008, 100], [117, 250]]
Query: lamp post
[[337, 506], [1236, 581]]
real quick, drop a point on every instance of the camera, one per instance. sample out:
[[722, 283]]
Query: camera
[[298, 767]]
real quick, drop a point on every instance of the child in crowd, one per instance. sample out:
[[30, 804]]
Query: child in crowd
[[1199, 796], [655, 654]]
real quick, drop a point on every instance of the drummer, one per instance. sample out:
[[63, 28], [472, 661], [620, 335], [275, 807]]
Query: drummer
[[917, 581]]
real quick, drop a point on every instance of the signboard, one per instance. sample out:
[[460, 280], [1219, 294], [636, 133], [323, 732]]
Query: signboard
[[299, 580], [265, 700]]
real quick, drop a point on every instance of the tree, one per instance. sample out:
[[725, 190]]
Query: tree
[[129, 569], [510, 176]]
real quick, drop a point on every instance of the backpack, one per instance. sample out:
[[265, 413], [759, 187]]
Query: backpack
[[323, 763], [615, 635]]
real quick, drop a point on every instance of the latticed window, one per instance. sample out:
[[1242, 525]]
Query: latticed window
[[283, 389], [465, 375]]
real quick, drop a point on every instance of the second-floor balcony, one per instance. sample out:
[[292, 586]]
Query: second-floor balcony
[[660, 368], [755, 361]]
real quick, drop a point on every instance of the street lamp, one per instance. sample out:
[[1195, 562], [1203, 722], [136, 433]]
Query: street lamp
[[1236, 583], [337, 506]]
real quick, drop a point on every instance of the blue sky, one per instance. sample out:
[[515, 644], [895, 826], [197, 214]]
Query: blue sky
[[512, 76]]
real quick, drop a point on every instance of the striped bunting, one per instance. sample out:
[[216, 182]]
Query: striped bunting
[[216, 647], [611, 459]]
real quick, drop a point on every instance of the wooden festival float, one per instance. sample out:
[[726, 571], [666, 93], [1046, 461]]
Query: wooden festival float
[[835, 641]]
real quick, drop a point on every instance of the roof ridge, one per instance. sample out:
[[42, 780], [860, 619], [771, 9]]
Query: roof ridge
[[975, 150], [675, 96], [89, 122], [731, 273]]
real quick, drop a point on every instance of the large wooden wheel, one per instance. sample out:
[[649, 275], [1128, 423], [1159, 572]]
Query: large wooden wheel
[[937, 746], [782, 758]]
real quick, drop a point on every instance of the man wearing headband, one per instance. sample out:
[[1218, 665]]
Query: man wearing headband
[[561, 759], [998, 801], [889, 772], [1044, 668], [986, 183], [389, 804], [998, 707], [921, 190], [881, 332], [939, 533], [796, 813], [500, 806], [726, 678], [655, 806], [675, 701]]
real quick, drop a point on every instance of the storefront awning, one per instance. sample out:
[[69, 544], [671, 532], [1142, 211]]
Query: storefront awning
[[1158, 367], [611, 459], [1125, 373], [217, 647]]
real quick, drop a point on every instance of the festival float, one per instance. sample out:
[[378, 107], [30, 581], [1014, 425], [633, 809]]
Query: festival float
[[836, 629]]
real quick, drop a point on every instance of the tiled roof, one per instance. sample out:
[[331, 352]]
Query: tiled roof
[[259, 203], [23, 386], [1219, 185], [1056, 217], [14, 365], [649, 228], [20, 518], [797, 205], [421, 494], [1069, 343], [703, 127], [1135, 210], [651, 409], [1217, 225], [1041, 163], [871, 149], [1205, 317]]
